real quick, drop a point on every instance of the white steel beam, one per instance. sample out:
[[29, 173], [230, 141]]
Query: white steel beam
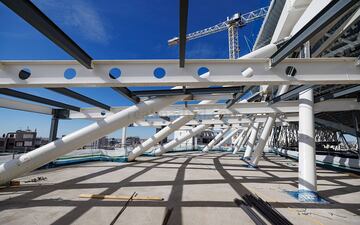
[[242, 139], [156, 138], [226, 138], [239, 108], [141, 73], [49, 152], [252, 138], [172, 144], [216, 139], [24, 106]]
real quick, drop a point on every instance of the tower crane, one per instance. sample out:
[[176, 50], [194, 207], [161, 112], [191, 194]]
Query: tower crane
[[232, 24]]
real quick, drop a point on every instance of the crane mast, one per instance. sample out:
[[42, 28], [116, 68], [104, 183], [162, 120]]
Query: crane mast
[[232, 24]]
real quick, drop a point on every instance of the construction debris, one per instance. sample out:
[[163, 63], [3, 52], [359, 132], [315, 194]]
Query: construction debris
[[249, 211], [263, 207], [121, 197], [36, 179]]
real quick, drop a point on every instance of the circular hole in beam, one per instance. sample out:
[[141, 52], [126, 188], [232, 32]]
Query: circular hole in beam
[[70, 73], [159, 73], [24, 73], [114, 73], [203, 72], [290, 71]]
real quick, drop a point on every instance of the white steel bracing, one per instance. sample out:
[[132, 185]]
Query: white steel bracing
[[159, 136], [49, 152], [252, 139], [177, 141], [266, 132], [227, 137], [216, 139], [242, 139], [239, 136], [141, 73], [237, 109]]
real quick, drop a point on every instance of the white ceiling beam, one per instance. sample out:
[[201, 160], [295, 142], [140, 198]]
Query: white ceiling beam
[[24, 106], [140, 73], [238, 109]]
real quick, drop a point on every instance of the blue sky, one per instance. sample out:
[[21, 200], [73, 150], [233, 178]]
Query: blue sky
[[136, 29]]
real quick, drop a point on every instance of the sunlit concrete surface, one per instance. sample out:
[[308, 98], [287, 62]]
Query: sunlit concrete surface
[[199, 187]]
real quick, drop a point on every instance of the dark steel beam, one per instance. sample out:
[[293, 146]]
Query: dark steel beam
[[333, 10], [53, 128], [190, 91], [184, 8], [34, 98], [127, 93], [339, 93], [290, 94], [238, 96], [31, 14], [80, 97]]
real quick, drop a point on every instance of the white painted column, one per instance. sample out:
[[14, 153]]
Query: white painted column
[[226, 138], [172, 144], [252, 138], [307, 164], [156, 138], [259, 149], [51, 151], [216, 139], [241, 140], [262, 140], [238, 137], [123, 137]]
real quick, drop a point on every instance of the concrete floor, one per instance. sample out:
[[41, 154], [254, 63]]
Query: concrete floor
[[199, 187]]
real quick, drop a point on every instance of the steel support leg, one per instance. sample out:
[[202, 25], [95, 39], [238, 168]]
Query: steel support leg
[[123, 137], [172, 144], [307, 163], [51, 151], [259, 149], [242, 139], [357, 128], [252, 138], [53, 128], [216, 139], [156, 138], [232, 133]]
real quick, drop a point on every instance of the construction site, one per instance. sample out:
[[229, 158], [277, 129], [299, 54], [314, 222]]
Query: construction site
[[267, 137]]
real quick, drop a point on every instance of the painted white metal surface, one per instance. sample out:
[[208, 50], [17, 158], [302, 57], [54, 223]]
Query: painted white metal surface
[[252, 139], [24, 106], [239, 108], [141, 73], [227, 137], [49, 152], [216, 139], [292, 11], [156, 138], [307, 165], [172, 144]]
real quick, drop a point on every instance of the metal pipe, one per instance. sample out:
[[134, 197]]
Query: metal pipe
[[49, 152], [252, 138], [156, 138], [232, 133], [216, 139], [307, 164], [172, 144]]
